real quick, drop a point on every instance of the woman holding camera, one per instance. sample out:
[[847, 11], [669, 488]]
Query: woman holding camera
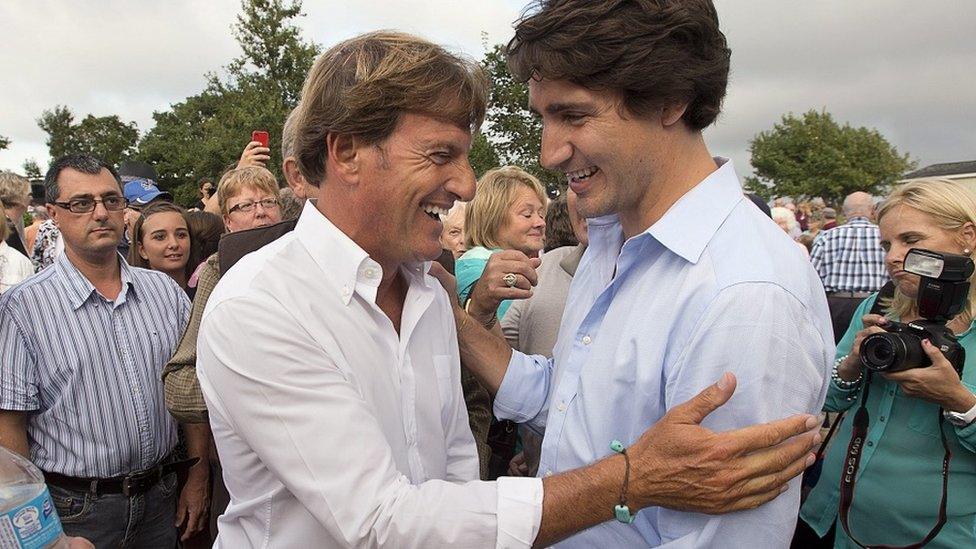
[[899, 483]]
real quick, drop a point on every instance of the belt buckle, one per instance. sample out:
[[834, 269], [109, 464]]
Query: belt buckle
[[138, 483], [126, 486]]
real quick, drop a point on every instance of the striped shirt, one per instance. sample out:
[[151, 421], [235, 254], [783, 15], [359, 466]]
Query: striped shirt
[[849, 258], [87, 370]]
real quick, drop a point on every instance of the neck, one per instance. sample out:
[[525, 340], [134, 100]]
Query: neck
[[102, 270], [687, 163], [179, 276]]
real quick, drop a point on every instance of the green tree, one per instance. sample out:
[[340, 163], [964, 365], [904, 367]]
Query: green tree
[[4, 142], [812, 155], [511, 131], [204, 134], [32, 170], [106, 137]]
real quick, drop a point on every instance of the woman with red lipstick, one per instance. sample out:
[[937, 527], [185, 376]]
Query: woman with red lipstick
[[911, 413], [508, 212], [161, 241]]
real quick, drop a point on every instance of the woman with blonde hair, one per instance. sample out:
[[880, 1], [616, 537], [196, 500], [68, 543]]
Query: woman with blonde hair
[[508, 212], [14, 266], [916, 417]]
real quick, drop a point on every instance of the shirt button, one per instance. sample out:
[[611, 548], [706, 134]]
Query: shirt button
[[370, 272], [870, 443], [562, 406], [891, 392], [549, 472], [881, 418], [587, 340], [345, 290]]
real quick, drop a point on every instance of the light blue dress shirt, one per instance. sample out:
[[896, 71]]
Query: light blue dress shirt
[[713, 286]]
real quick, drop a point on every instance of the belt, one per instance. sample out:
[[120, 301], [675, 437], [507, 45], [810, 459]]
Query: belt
[[858, 295], [129, 485]]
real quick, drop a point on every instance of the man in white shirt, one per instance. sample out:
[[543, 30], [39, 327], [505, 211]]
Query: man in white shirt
[[329, 362]]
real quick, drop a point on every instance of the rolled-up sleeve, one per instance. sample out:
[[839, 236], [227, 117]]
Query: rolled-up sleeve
[[300, 419], [18, 381], [523, 395]]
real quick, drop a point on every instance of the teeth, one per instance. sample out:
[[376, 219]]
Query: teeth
[[435, 210], [581, 174]]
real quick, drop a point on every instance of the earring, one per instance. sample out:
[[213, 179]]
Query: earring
[[966, 251]]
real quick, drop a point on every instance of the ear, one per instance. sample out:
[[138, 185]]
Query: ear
[[52, 213], [967, 233], [294, 177], [344, 157], [142, 251], [671, 114]]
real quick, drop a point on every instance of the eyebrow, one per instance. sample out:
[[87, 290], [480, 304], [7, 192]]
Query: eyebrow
[[90, 195], [557, 108]]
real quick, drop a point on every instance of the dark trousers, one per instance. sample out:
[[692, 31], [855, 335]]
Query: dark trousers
[[841, 313], [116, 520]]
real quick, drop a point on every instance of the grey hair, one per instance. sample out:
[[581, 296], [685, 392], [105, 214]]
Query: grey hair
[[288, 135], [84, 163], [13, 187]]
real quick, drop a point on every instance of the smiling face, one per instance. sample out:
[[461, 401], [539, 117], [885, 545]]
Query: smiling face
[[94, 235], [406, 183], [525, 224], [904, 228], [609, 160], [165, 243]]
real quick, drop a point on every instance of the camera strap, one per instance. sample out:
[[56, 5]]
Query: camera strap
[[848, 475]]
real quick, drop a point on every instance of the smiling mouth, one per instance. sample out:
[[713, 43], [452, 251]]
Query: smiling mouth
[[581, 175], [434, 212]]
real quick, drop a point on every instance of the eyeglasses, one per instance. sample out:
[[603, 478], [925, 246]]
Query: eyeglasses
[[246, 207], [85, 205]]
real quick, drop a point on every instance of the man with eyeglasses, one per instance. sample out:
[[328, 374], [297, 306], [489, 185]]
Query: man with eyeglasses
[[83, 344]]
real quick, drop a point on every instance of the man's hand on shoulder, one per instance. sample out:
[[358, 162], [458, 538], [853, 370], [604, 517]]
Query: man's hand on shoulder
[[681, 465]]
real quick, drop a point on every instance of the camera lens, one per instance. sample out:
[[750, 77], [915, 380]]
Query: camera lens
[[882, 352]]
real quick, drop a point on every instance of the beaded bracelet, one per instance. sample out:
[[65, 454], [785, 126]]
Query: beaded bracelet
[[621, 511], [841, 383]]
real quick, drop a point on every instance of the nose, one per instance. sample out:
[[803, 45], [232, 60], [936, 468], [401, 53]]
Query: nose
[[462, 184], [556, 149], [100, 211]]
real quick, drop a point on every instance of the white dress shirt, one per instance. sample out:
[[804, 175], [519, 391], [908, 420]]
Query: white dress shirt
[[332, 429]]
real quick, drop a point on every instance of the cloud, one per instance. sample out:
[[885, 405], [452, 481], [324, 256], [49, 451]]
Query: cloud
[[902, 67]]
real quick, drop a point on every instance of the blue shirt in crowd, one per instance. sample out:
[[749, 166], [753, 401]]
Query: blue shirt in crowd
[[713, 286]]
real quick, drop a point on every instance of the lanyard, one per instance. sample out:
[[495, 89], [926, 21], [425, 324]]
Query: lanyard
[[848, 476]]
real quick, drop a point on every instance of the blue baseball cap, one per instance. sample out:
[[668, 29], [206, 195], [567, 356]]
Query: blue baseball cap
[[140, 191]]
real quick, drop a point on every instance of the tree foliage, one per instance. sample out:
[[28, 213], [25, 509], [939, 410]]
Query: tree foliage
[[106, 137], [812, 155], [32, 170], [4, 142], [204, 134], [511, 131]]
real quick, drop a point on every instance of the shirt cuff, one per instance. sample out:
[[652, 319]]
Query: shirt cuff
[[519, 512], [520, 389]]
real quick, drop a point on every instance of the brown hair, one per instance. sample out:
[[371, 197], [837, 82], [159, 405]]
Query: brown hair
[[205, 231], [362, 86], [152, 209], [3, 222], [559, 226], [654, 52], [236, 180], [487, 212]]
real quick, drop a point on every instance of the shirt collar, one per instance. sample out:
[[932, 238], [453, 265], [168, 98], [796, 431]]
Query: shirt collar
[[688, 226], [80, 289], [343, 262]]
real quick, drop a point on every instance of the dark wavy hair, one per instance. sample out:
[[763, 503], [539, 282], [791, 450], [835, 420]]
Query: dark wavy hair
[[654, 52]]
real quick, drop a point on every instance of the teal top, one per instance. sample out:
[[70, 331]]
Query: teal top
[[899, 484], [467, 271]]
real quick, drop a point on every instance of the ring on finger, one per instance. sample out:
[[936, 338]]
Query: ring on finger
[[510, 279]]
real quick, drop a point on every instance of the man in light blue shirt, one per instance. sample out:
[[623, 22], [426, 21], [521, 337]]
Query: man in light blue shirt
[[683, 280]]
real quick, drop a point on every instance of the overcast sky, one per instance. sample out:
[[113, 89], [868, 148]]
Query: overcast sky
[[903, 67]]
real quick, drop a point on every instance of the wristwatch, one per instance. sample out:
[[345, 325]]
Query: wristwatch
[[962, 419]]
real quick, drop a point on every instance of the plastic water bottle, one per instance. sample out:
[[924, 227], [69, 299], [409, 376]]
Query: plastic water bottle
[[28, 519]]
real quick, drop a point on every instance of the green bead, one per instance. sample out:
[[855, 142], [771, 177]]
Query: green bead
[[617, 446], [622, 514]]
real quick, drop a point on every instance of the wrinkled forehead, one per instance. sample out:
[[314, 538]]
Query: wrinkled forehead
[[73, 183]]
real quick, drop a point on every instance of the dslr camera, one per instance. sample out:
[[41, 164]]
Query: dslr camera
[[942, 293]]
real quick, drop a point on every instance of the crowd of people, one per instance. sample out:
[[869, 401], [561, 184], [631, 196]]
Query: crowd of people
[[383, 351]]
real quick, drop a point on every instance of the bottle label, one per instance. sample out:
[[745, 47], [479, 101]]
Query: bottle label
[[33, 525]]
